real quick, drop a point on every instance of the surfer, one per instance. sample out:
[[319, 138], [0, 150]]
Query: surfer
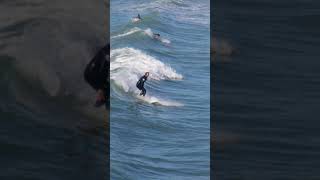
[[156, 35], [139, 17], [140, 84], [136, 19], [97, 74]]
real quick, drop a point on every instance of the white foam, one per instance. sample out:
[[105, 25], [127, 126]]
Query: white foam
[[134, 20], [129, 64], [131, 31], [150, 34], [166, 41], [158, 101], [147, 32]]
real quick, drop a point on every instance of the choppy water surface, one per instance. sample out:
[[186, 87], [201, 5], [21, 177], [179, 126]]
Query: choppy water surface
[[164, 135]]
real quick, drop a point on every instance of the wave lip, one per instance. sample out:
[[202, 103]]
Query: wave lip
[[135, 63], [129, 64]]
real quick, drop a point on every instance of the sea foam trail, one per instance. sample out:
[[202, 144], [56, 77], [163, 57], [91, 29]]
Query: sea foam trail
[[128, 64], [150, 34], [158, 101], [131, 31], [147, 32]]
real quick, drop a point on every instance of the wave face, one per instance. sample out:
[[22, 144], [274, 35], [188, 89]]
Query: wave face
[[164, 135], [127, 66], [46, 107]]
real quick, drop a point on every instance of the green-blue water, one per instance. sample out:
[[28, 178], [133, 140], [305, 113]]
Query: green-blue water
[[166, 134]]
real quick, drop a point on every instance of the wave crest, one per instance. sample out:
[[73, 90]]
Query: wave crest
[[129, 64]]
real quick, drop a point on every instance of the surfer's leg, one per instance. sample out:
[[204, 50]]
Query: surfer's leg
[[144, 91]]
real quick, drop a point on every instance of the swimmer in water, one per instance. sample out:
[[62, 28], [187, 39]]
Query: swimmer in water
[[156, 35], [136, 19]]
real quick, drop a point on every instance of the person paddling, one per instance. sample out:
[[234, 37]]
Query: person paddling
[[156, 35]]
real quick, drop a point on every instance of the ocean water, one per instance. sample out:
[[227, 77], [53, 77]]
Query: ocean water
[[49, 128], [164, 135], [266, 96]]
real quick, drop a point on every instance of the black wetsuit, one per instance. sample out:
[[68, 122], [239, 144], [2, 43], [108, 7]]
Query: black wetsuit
[[97, 71], [140, 85]]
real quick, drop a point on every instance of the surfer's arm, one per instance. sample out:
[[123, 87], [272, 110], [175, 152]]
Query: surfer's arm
[[144, 78]]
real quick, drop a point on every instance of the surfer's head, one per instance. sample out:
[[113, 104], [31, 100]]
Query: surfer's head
[[146, 74]]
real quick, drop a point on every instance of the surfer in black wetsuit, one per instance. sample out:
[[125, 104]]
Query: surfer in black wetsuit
[[140, 84], [139, 17], [156, 36], [97, 75]]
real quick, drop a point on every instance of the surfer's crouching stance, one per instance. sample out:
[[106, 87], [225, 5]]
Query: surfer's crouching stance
[[140, 84], [97, 75]]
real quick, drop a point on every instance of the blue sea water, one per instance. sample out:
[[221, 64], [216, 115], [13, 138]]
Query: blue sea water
[[164, 135]]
